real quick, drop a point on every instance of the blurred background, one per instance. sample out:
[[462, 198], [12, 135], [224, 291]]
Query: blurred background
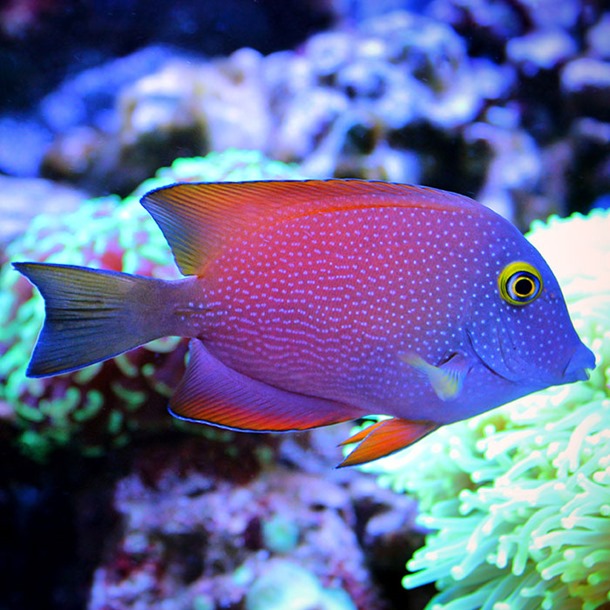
[[106, 502]]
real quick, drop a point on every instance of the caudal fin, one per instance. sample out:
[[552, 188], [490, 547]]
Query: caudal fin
[[91, 315]]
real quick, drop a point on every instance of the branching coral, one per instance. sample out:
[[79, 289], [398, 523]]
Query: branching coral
[[517, 500], [102, 403]]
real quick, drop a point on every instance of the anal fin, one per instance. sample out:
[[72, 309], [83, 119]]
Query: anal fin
[[383, 438], [211, 392]]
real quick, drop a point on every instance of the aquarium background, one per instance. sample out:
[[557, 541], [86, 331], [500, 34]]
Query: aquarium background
[[106, 502]]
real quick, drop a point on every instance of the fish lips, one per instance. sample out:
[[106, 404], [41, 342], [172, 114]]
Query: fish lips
[[517, 369], [580, 366]]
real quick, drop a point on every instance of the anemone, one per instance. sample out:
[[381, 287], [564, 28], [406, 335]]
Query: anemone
[[517, 500]]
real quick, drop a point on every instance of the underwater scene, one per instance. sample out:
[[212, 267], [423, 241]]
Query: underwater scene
[[305, 305]]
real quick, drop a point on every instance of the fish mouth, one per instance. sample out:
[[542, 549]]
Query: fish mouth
[[580, 366], [514, 368]]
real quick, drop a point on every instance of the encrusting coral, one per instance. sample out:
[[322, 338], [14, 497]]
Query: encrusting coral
[[105, 403], [517, 500], [190, 534]]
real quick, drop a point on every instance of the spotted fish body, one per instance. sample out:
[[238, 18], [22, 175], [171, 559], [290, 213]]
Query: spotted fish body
[[314, 302]]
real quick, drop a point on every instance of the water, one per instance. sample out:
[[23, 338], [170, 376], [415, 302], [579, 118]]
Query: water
[[105, 501]]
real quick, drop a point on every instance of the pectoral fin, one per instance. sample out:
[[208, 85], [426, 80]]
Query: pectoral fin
[[447, 380], [383, 438]]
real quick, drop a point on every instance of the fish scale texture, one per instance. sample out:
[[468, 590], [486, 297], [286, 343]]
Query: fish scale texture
[[331, 300], [312, 302]]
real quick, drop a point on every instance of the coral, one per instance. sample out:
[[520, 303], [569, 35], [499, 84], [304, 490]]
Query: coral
[[285, 585], [586, 84], [23, 160], [344, 103], [598, 38], [514, 169], [108, 402], [516, 500], [33, 61], [280, 535], [388, 97], [16, 195], [191, 535], [339, 104]]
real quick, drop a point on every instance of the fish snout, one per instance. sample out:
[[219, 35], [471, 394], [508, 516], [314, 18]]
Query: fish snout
[[580, 365]]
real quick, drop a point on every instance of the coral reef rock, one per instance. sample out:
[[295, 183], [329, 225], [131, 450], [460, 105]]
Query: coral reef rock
[[336, 105], [21, 199], [279, 539], [391, 97], [380, 95], [98, 31]]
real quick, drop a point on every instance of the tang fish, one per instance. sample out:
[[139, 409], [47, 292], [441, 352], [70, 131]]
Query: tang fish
[[310, 303]]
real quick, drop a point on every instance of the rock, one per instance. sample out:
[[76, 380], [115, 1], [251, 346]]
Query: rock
[[33, 137], [586, 84], [598, 38], [88, 98], [94, 33], [590, 141], [513, 172], [18, 197], [184, 531], [551, 14], [331, 106], [541, 50], [387, 522], [486, 26], [284, 585]]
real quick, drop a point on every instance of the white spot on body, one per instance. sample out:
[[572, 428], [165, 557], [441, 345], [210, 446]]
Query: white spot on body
[[324, 304]]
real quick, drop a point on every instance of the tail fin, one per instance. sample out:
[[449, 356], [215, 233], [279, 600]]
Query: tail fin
[[91, 315]]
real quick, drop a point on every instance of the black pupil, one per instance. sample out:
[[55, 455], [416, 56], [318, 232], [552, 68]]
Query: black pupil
[[524, 286]]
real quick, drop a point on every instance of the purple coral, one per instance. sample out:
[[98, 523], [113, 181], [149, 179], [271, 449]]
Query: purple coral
[[189, 534]]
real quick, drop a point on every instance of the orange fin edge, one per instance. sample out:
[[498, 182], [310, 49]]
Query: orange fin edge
[[384, 438], [361, 434], [199, 218], [212, 393]]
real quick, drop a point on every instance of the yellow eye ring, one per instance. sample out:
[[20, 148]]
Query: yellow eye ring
[[520, 283]]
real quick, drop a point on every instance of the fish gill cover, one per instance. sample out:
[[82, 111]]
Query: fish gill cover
[[517, 500]]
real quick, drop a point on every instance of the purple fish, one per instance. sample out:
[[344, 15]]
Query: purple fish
[[316, 302]]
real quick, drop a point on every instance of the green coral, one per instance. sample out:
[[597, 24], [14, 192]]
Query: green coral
[[111, 234], [286, 585], [517, 500], [280, 534]]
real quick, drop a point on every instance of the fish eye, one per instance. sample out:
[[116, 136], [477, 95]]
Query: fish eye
[[520, 283]]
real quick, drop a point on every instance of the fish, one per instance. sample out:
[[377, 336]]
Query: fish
[[314, 302]]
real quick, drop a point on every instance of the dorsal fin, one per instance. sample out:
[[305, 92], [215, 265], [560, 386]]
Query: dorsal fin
[[197, 219]]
